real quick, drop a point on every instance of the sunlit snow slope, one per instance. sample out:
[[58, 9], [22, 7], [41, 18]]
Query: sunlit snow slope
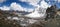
[[36, 14]]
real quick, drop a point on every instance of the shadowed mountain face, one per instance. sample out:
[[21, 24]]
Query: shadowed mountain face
[[54, 19], [51, 12]]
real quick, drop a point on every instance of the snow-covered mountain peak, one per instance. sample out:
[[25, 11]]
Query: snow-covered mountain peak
[[38, 13]]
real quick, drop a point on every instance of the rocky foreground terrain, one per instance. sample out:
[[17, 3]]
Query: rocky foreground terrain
[[4, 22]]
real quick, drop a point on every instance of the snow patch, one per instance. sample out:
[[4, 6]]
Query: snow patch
[[35, 15]]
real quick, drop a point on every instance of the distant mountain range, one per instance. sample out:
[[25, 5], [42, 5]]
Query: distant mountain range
[[38, 12]]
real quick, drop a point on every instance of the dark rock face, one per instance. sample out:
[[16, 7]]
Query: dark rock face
[[53, 20], [51, 12]]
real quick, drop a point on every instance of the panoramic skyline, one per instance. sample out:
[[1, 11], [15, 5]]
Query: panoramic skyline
[[27, 4]]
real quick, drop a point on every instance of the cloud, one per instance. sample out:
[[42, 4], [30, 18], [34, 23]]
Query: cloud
[[16, 6], [1, 1], [30, 1], [58, 0], [44, 4], [35, 3], [23, 0], [5, 8]]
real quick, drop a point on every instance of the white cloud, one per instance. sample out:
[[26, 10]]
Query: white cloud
[[5, 8], [30, 1], [16, 6], [44, 4], [2, 1], [35, 3], [58, 0]]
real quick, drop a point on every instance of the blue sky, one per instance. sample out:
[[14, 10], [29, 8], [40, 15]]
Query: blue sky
[[23, 4], [26, 4]]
